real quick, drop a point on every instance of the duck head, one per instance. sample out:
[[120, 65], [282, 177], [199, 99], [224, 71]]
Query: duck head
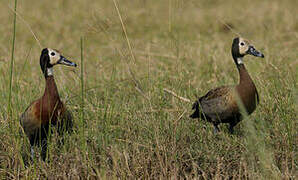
[[242, 47], [49, 58]]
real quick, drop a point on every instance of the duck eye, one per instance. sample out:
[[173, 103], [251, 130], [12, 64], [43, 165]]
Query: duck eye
[[242, 43], [52, 54]]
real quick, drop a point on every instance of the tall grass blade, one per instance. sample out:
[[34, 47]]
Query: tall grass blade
[[82, 79], [82, 111], [12, 63]]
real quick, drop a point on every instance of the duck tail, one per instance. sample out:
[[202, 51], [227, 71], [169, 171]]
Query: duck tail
[[196, 114]]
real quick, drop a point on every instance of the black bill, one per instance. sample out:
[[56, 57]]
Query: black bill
[[254, 52], [67, 62]]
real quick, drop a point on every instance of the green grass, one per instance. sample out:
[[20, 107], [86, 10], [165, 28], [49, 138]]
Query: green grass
[[126, 126]]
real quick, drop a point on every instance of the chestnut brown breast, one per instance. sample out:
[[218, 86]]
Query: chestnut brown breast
[[247, 90], [47, 109]]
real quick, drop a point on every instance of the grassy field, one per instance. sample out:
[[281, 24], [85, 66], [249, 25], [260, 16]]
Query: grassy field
[[129, 127]]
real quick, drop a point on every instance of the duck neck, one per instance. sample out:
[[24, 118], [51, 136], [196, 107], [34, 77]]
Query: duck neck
[[51, 91], [244, 76]]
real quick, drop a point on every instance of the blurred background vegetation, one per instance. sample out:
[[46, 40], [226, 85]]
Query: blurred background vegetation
[[131, 128]]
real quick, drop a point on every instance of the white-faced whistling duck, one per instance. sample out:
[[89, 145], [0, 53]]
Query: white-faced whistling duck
[[49, 109], [220, 105]]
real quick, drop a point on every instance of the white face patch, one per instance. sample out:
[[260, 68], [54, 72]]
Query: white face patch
[[243, 46], [54, 56], [239, 60], [50, 71]]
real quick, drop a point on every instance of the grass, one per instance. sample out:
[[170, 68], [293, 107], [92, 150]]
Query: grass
[[127, 126], [12, 61]]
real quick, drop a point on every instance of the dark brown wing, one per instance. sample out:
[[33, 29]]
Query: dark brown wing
[[29, 121], [216, 93], [218, 103]]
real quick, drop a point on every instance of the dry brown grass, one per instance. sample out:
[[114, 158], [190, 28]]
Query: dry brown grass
[[132, 128]]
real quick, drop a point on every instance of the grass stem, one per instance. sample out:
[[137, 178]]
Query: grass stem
[[12, 61], [82, 79]]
